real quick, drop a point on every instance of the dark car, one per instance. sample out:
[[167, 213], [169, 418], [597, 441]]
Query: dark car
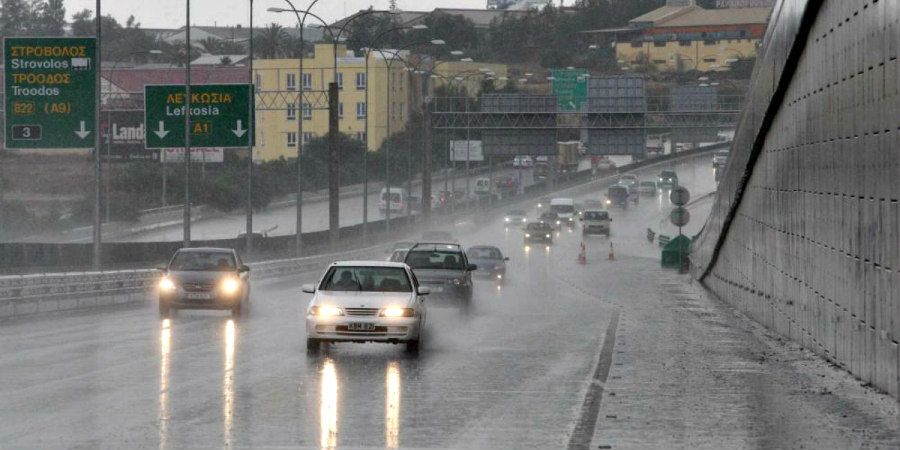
[[205, 278], [539, 232], [617, 195], [550, 218], [668, 179], [445, 269], [490, 261]]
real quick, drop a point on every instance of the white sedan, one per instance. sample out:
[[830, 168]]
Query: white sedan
[[366, 301]]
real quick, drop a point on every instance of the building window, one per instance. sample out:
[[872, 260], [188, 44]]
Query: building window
[[292, 139], [307, 111], [292, 111], [307, 81], [360, 80], [291, 81], [637, 44], [361, 110], [361, 136], [307, 136], [684, 43], [659, 43], [340, 80], [257, 80], [710, 41], [340, 110], [709, 60], [659, 61], [400, 111]]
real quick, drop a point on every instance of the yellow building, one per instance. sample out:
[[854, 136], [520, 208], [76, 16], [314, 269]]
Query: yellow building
[[682, 36], [277, 81]]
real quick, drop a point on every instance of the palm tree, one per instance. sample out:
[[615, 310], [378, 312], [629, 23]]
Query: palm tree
[[211, 45], [272, 42]]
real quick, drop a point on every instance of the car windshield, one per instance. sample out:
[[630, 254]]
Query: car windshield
[[596, 215], [648, 183], [562, 209], [484, 253], [516, 212], [666, 174], [402, 245], [549, 216], [536, 226], [366, 279], [395, 197], [436, 259], [202, 261]]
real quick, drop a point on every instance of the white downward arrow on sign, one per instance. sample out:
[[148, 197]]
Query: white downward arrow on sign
[[82, 133], [161, 132], [239, 131]]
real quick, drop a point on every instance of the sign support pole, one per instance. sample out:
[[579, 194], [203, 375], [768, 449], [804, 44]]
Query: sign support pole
[[187, 126], [251, 125], [97, 174], [334, 226]]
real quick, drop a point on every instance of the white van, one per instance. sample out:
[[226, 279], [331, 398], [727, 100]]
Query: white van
[[595, 221], [565, 209], [399, 201]]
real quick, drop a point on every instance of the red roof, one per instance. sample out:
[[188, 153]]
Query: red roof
[[133, 80]]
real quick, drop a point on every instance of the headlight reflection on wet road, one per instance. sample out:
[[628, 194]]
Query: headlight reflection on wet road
[[328, 411], [392, 406], [165, 340], [228, 383]]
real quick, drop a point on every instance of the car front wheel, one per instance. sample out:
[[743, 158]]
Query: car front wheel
[[312, 345]]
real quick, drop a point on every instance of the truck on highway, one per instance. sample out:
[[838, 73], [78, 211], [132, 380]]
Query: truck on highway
[[568, 156]]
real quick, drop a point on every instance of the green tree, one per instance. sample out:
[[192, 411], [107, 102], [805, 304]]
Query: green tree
[[16, 17], [49, 18], [272, 42], [457, 31], [83, 23], [211, 45]]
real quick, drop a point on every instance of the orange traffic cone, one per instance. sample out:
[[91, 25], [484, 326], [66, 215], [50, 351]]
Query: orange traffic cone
[[582, 256], [612, 256]]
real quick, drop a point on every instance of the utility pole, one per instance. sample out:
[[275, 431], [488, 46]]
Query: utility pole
[[97, 174], [334, 230], [187, 127], [427, 138], [251, 129]]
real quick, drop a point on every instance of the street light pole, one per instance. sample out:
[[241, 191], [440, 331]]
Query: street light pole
[[97, 173], [187, 127], [251, 129]]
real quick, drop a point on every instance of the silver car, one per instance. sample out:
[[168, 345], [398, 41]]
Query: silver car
[[366, 301]]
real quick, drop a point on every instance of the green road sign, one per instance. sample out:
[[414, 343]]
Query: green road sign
[[50, 92], [570, 88], [219, 115]]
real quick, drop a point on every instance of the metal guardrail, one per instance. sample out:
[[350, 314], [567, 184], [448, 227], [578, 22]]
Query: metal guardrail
[[23, 295]]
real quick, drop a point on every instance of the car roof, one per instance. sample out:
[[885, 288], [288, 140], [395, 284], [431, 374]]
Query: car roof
[[562, 201], [540, 224], [435, 245], [367, 264], [485, 246], [206, 250]]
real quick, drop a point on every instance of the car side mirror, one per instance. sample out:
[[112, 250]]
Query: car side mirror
[[308, 288], [163, 269], [472, 267], [423, 290], [244, 268]]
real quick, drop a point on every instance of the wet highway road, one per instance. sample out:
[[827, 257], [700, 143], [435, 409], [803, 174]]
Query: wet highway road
[[514, 374]]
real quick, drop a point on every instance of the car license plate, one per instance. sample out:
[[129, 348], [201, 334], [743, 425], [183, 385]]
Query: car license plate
[[199, 295], [360, 326]]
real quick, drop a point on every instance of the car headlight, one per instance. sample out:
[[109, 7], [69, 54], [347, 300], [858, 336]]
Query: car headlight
[[230, 286], [548, 236], [609, 202], [499, 276], [571, 219], [456, 281], [557, 222], [523, 220], [507, 219], [397, 312], [166, 285], [528, 235], [326, 311], [540, 205]]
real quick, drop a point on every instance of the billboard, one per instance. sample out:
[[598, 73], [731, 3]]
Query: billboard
[[459, 149], [198, 154], [126, 128]]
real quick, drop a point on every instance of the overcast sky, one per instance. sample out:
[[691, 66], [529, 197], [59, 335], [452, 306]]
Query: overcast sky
[[170, 13]]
